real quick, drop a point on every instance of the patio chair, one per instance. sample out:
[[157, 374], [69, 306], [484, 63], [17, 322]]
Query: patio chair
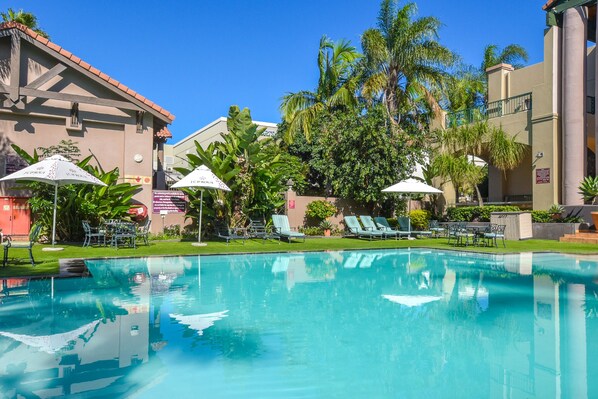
[[497, 231], [223, 231], [125, 233], [383, 224], [11, 242], [369, 224], [258, 229], [458, 234], [91, 233], [405, 225], [282, 228], [143, 231], [355, 229], [435, 228]]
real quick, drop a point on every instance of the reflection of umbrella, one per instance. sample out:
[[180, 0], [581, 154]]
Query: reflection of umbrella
[[57, 171], [51, 343], [199, 322], [201, 177], [411, 300], [409, 187]]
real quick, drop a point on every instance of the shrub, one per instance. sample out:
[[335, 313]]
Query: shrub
[[420, 219], [311, 231], [320, 209], [477, 213], [542, 217]]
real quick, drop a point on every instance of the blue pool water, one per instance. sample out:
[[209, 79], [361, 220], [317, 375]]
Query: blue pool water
[[352, 324]]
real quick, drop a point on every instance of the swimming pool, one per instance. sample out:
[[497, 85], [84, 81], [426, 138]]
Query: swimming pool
[[352, 324]]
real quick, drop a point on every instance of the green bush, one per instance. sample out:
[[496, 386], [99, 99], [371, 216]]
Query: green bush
[[320, 209], [477, 213], [312, 231], [542, 217], [420, 219]]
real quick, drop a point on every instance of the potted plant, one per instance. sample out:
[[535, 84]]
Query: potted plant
[[556, 211], [589, 190], [327, 227]]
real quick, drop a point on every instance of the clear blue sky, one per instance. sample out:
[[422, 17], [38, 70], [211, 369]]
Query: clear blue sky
[[196, 58]]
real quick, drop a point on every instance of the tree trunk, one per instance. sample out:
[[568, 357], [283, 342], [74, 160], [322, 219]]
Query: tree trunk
[[480, 200]]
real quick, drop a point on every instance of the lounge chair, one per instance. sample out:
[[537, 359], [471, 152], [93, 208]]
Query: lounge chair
[[226, 233], [282, 228], [382, 224], [355, 229], [10, 242], [405, 225], [369, 224]]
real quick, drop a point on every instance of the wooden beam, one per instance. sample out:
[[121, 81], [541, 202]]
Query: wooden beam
[[15, 67], [76, 98], [58, 69]]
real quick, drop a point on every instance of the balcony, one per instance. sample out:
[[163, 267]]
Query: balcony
[[494, 109]]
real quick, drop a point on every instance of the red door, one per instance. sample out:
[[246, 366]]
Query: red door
[[15, 216]]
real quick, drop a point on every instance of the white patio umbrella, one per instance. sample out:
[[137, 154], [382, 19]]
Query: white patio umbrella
[[412, 300], [56, 171], [201, 177], [199, 322], [410, 187]]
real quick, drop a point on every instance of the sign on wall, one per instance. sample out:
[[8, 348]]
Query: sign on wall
[[542, 175], [136, 179], [170, 201]]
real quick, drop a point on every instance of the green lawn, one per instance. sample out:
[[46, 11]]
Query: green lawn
[[47, 262]]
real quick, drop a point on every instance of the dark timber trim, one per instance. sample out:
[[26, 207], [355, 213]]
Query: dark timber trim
[[57, 70]]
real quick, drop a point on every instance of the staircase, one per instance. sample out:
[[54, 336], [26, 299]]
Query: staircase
[[581, 237]]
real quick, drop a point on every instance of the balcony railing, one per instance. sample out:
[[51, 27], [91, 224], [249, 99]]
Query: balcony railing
[[494, 109]]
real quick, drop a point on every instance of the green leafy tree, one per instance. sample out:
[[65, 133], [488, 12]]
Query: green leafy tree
[[403, 60], [358, 155], [513, 54], [252, 168], [77, 202], [337, 85], [452, 151], [24, 18]]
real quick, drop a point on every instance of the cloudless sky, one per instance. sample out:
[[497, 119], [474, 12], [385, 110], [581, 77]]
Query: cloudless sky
[[197, 57]]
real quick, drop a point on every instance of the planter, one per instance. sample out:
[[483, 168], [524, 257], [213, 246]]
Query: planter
[[553, 231], [327, 233], [594, 219]]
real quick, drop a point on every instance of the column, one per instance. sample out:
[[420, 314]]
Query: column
[[574, 97]]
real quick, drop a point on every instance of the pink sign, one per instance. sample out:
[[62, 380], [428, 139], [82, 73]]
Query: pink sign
[[172, 201], [542, 175], [291, 204]]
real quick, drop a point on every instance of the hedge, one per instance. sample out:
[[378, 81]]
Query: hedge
[[477, 213]]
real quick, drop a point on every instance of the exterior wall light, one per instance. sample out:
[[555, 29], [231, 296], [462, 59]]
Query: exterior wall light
[[138, 158]]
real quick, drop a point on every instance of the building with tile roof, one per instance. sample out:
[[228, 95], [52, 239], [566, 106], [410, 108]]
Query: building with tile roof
[[48, 94]]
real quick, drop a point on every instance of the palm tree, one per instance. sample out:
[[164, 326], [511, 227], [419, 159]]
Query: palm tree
[[337, 86], [403, 60], [512, 54], [455, 147], [24, 18]]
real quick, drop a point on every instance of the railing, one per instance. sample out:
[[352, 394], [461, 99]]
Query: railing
[[494, 109]]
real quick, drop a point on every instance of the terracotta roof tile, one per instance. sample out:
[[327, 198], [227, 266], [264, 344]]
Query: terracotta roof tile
[[165, 132], [548, 4]]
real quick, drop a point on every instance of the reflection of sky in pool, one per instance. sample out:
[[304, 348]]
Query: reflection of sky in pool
[[369, 324]]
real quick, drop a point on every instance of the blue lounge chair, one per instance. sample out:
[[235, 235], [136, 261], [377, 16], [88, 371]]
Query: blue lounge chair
[[382, 224], [355, 229], [282, 228], [369, 224], [405, 225]]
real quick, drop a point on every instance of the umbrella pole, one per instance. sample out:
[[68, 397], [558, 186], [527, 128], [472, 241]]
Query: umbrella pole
[[54, 217], [200, 214], [409, 213]]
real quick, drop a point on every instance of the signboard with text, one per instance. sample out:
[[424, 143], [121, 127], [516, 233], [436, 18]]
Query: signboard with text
[[542, 175], [170, 201]]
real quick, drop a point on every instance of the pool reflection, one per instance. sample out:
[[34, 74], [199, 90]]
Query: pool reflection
[[378, 323]]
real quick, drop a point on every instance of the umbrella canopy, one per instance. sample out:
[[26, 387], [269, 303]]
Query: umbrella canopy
[[412, 186], [201, 177], [57, 171], [412, 300], [199, 322]]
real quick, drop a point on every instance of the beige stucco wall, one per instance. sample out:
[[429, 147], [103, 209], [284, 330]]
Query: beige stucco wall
[[109, 133]]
